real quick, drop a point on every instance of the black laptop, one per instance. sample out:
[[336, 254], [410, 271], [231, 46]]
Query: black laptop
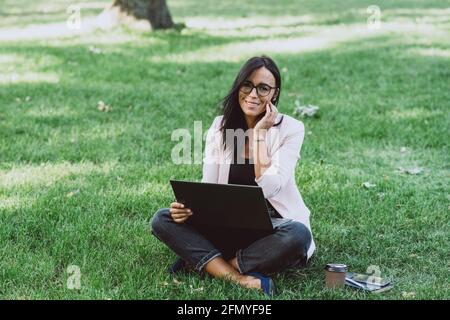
[[231, 216]]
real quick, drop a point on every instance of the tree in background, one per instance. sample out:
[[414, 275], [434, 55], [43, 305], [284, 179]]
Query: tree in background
[[155, 12]]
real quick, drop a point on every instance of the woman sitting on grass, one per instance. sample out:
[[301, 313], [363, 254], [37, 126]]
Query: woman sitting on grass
[[267, 162]]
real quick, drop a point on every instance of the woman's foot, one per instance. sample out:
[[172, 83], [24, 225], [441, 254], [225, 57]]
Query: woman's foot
[[266, 284], [249, 282], [233, 263], [220, 268]]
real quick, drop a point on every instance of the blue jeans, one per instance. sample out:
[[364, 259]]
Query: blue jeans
[[286, 248]]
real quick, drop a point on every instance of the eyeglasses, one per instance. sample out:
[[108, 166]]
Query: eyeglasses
[[262, 89]]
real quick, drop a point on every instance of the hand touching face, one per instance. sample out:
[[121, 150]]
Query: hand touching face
[[269, 118]]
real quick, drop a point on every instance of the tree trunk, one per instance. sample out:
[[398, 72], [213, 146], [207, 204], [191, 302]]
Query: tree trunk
[[155, 11]]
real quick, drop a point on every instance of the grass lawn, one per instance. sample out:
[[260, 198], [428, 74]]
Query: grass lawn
[[79, 186]]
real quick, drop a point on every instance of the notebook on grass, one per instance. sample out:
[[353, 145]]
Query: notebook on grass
[[368, 283]]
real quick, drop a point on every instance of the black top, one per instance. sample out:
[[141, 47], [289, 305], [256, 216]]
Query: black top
[[244, 173]]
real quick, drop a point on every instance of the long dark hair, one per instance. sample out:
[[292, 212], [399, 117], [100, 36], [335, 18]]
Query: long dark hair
[[233, 116]]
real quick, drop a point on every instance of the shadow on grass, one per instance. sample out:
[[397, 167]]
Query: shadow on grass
[[368, 83]]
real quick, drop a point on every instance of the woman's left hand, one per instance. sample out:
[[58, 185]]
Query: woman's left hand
[[269, 118]]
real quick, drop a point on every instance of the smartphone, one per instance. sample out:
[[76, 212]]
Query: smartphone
[[368, 279]]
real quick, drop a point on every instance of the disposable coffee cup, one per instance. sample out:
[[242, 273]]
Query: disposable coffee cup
[[335, 275]]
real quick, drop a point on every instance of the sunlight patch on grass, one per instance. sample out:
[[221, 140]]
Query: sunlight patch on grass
[[46, 174], [419, 15], [219, 23], [14, 202], [324, 38], [99, 37], [23, 13], [47, 111], [255, 32], [58, 34], [104, 132], [51, 7], [9, 63], [8, 59], [28, 77], [414, 113], [47, 31], [389, 156], [153, 188], [432, 52], [9, 203], [386, 159], [21, 69]]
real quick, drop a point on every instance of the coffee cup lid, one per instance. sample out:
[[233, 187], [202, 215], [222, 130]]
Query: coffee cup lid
[[336, 267]]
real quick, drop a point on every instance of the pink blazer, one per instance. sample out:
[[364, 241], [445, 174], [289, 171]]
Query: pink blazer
[[278, 181]]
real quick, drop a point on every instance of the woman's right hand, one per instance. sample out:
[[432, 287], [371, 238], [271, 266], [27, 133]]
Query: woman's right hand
[[179, 213]]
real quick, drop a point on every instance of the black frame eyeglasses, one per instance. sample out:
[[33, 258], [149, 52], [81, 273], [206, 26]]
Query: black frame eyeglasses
[[247, 88]]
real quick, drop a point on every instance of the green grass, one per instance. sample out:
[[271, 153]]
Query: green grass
[[79, 186]]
